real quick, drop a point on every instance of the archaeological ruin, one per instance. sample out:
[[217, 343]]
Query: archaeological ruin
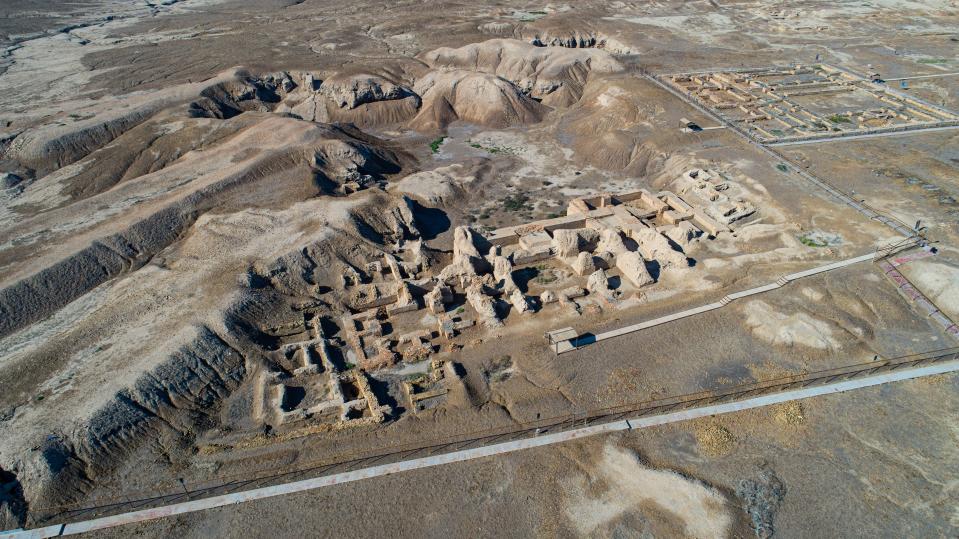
[[803, 102], [401, 309], [625, 234]]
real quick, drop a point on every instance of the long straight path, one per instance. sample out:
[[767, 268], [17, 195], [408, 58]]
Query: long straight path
[[916, 77], [836, 384], [864, 136], [581, 341]]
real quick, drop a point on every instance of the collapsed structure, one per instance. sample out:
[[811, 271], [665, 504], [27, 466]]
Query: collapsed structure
[[775, 105], [403, 308], [423, 391], [315, 388]]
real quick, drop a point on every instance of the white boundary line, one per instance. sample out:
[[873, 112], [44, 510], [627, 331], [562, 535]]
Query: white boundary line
[[470, 454]]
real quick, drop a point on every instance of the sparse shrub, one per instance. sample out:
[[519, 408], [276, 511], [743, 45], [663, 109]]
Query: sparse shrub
[[544, 276], [499, 369], [809, 242], [492, 149], [516, 202], [820, 239]]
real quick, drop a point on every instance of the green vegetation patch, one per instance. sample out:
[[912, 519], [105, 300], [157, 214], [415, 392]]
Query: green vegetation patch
[[546, 278], [839, 119], [544, 275], [782, 167], [819, 239], [810, 242], [435, 145], [528, 16], [499, 369], [493, 149], [517, 202]]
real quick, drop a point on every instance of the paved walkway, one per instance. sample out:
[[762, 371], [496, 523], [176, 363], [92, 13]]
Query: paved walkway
[[914, 77], [865, 135], [480, 452], [579, 342]]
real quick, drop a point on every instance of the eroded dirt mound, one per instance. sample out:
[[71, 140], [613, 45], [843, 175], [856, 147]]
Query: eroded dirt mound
[[12, 505], [123, 228], [472, 97], [243, 93], [615, 126], [144, 149], [204, 315], [437, 187], [68, 138], [362, 98], [555, 76], [349, 91], [571, 31]]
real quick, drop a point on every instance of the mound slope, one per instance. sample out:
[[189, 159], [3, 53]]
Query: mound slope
[[52, 258], [478, 98], [554, 75]]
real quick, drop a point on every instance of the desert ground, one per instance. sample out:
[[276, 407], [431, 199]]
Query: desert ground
[[244, 238]]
